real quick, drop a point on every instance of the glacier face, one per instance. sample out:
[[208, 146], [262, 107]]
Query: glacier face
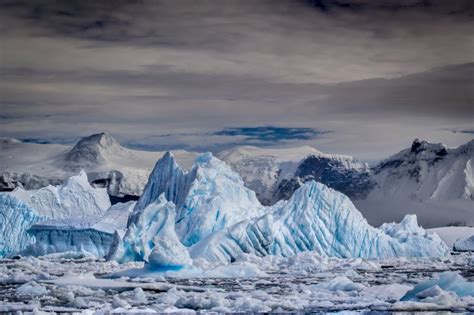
[[151, 237], [318, 219], [15, 218], [92, 234], [208, 198]]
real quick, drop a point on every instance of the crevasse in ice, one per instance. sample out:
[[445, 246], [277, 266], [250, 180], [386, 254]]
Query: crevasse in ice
[[317, 218]]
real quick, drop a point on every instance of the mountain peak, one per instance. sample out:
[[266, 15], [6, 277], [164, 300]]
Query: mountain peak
[[91, 150]]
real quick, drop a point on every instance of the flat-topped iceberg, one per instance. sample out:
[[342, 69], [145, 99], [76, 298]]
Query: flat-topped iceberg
[[322, 220], [92, 235]]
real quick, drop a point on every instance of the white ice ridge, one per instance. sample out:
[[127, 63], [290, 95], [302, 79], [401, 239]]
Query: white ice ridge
[[322, 220], [75, 198], [15, 218], [151, 237], [92, 235], [208, 198]]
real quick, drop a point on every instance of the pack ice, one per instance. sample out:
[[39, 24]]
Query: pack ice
[[20, 209], [322, 220]]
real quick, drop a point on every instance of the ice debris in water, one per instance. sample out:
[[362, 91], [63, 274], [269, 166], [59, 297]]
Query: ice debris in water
[[447, 281]]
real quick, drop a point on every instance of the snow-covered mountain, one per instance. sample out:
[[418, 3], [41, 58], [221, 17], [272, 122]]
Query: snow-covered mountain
[[123, 171], [274, 174], [425, 179], [426, 171], [431, 180], [320, 219]]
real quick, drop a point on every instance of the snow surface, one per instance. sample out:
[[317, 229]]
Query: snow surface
[[92, 235], [321, 220]]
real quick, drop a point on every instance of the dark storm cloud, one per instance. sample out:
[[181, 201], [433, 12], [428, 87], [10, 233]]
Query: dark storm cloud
[[378, 73]]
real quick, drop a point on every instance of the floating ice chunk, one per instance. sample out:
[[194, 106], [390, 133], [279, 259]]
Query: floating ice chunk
[[341, 284], [322, 220], [16, 217], [31, 289], [447, 281], [464, 245], [151, 237]]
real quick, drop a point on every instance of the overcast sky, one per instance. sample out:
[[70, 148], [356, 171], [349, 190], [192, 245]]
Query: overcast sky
[[357, 77]]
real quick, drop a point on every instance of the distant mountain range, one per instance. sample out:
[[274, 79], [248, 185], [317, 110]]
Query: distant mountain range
[[431, 180]]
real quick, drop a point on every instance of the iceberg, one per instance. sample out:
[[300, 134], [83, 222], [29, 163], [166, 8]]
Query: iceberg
[[208, 198], [319, 219], [15, 218], [75, 198], [447, 281], [464, 245], [92, 235], [151, 238]]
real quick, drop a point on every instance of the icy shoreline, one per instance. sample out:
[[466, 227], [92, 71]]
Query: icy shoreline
[[306, 282]]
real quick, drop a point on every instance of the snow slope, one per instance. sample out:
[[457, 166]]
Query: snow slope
[[319, 219], [274, 174], [208, 198], [92, 234], [123, 171]]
